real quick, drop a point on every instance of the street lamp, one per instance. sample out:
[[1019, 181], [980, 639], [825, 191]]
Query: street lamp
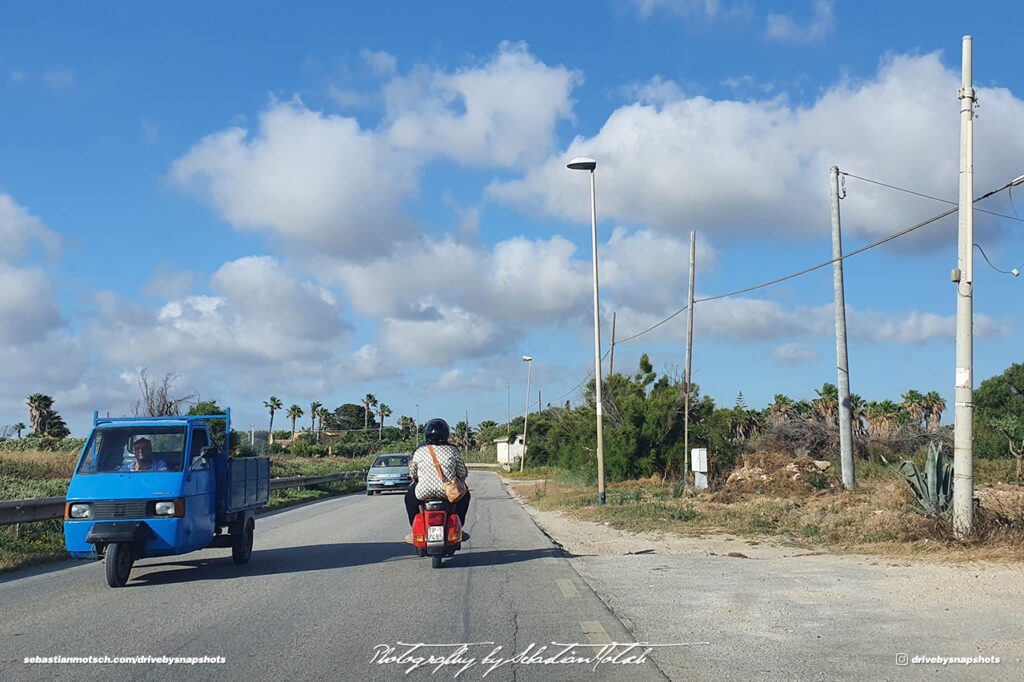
[[417, 423], [529, 371], [583, 163]]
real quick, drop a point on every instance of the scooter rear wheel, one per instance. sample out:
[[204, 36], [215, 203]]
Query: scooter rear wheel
[[435, 561]]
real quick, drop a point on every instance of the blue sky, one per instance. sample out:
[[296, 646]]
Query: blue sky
[[322, 200]]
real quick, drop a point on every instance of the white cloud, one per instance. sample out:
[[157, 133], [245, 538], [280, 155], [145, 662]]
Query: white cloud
[[28, 307], [684, 8], [168, 282], [760, 167], [380, 62], [455, 335], [792, 354], [305, 175], [19, 228], [59, 77], [915, 327], [502, 113], [647, 271], [322, 180], [258, 314], [782, 28]]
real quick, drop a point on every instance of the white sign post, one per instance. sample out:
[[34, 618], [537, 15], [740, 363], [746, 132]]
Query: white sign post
[[699, 458]]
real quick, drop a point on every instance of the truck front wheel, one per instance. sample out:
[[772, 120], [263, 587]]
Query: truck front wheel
[[241, 545], [119, 560]]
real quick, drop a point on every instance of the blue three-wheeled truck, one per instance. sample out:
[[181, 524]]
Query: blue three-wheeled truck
[[158, 486]]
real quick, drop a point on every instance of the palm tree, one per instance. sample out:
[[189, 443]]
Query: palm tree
[[781, 409], [873, 415], [294, 412], [913, 403], [322, 414], [827, 403], [40, 407], [368, 402], [384, 411], [313, 407], [19, 427], [858, 413], [934, 407], [274, 404]]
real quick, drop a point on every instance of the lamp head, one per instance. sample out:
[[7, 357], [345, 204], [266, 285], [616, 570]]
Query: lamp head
[[527, 358], [582, 163]]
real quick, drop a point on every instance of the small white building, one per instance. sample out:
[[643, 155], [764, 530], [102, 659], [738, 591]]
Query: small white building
[[509, 453]]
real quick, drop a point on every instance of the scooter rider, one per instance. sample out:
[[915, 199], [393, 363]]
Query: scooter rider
[[427, 485]]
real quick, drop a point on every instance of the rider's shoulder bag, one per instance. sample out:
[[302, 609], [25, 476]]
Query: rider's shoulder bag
[[453, 489]]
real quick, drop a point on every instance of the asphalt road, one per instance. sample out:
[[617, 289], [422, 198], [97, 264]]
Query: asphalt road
[[332, 592]]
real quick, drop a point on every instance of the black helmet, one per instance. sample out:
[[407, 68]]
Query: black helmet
[[436, 432]]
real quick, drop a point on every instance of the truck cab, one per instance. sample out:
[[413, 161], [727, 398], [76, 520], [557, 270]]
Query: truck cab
[[147, 487]]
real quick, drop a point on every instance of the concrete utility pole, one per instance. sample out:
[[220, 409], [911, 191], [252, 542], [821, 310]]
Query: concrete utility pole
[[963, 424], [686, 368], [842, 363], [611, 350]]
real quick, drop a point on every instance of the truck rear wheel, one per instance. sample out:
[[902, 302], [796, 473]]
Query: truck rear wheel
[[119, 560], [241, 545]]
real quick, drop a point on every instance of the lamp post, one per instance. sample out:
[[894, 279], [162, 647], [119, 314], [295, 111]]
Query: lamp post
[[417, 423], [529, 371], [583, 163], [508, 398]]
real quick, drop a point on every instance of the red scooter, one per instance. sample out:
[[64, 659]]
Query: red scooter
[[436, 531]]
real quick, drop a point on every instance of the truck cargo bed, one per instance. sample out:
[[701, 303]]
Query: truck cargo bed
[[248, 483]]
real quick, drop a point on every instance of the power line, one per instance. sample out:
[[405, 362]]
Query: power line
[[939, 199], [651, 328], [830, 262], [852, 253], [1014, 272]]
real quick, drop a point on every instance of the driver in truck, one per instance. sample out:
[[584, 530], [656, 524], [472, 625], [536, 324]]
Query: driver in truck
[[143, 449]]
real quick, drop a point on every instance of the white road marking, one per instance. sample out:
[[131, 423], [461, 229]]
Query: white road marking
[[567, 588], [594, 632]]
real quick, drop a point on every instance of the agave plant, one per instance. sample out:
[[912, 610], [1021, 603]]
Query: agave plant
[[934, 488]]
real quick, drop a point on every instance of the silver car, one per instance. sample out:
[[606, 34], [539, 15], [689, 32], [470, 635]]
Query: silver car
[[389, 472]]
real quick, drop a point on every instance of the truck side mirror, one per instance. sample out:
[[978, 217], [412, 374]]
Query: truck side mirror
[[208, 451]]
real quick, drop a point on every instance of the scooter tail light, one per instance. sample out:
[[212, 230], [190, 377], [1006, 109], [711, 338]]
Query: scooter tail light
[[418, 538], [435, 518]]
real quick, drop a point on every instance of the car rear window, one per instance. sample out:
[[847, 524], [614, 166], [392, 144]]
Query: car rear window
[[391, 461]]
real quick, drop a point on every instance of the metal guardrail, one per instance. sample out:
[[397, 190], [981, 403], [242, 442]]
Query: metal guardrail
[[44, 508]]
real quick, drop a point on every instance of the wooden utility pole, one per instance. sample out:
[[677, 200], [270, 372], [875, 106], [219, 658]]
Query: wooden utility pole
[[686, 367]]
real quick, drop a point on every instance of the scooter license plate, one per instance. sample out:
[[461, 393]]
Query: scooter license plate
[[435, 533]]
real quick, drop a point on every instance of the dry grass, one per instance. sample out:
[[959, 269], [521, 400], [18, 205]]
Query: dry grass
[[814, 511], [32, 464]]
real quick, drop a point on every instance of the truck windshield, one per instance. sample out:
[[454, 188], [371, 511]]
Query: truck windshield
[[134, 448]]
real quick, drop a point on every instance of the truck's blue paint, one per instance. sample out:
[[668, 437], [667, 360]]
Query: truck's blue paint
[[217, 493]]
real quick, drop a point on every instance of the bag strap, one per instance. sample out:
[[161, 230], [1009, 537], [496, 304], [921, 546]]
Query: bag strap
[[441, 475]]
